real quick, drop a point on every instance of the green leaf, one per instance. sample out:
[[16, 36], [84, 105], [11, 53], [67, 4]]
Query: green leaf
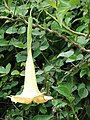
[[44, 45], [69, 60], [59, 103], [11, 30], [1, 34], [10, 2], [81, 40], [43, 109], [21, 10], [37, 32], [36, 53], [65, 90], [1, 56], [19, 118], [22, 73], [88, 110], [14, 83], [4, 43], [74, 2], [66, 54], [48, 68], [83, 72], [2, 70], [7, 87], [39, 72], [21, 56], [88, 73], [17, 43], [8, 67], [40, 79], [79, 57], [62, 10], [82, 91], [21, 30], [43, 117], [15, 72], [52, 3]]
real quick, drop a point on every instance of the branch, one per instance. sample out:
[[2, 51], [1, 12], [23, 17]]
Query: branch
[[50, 31], [65, 27], [6, 5]]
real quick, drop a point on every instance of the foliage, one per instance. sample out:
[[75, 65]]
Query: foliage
[[61, 53]]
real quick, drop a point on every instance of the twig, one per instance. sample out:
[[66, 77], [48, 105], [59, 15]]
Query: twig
[[76, 117], [6, 5], [72, 31]]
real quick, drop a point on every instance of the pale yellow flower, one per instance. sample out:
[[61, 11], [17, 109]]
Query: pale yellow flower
[[30, 92]]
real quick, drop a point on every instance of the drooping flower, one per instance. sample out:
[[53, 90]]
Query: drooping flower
[[30, 92]]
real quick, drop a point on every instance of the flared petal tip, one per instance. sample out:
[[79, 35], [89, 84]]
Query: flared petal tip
[[37, 99], [21, 99]]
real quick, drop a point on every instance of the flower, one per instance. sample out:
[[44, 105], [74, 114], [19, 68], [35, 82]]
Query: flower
[[30, 92]]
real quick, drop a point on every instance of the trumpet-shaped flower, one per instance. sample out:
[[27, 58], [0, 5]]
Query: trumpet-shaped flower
[[30, 92]]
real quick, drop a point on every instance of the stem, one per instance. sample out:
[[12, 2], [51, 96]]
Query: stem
[[6, 5], [29, 32], [76, 117]]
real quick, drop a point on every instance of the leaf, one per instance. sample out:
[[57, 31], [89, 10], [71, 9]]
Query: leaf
[[39, 72], [81, 40], [7, 87], [18, 118], [52, 3], [37, 32], [1, 33], [88, 110], [21, 30], [2, 70], [10, 2], [15, 72], [59, 103], [17, 43], [62, 10], [79, 57], [22, 73], [74, 2], [14, 83], [36, 53], [11, 30], [4, 43], [74, 58], [83, 72], [1, 56], [21, 56], [40, 79], [48, 68], [88, 73], [82, 91], [66, 54], [43, 117], [69, 60], [22, 10], [43, 109], [44, 45], [65, 90], [8, 67]]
